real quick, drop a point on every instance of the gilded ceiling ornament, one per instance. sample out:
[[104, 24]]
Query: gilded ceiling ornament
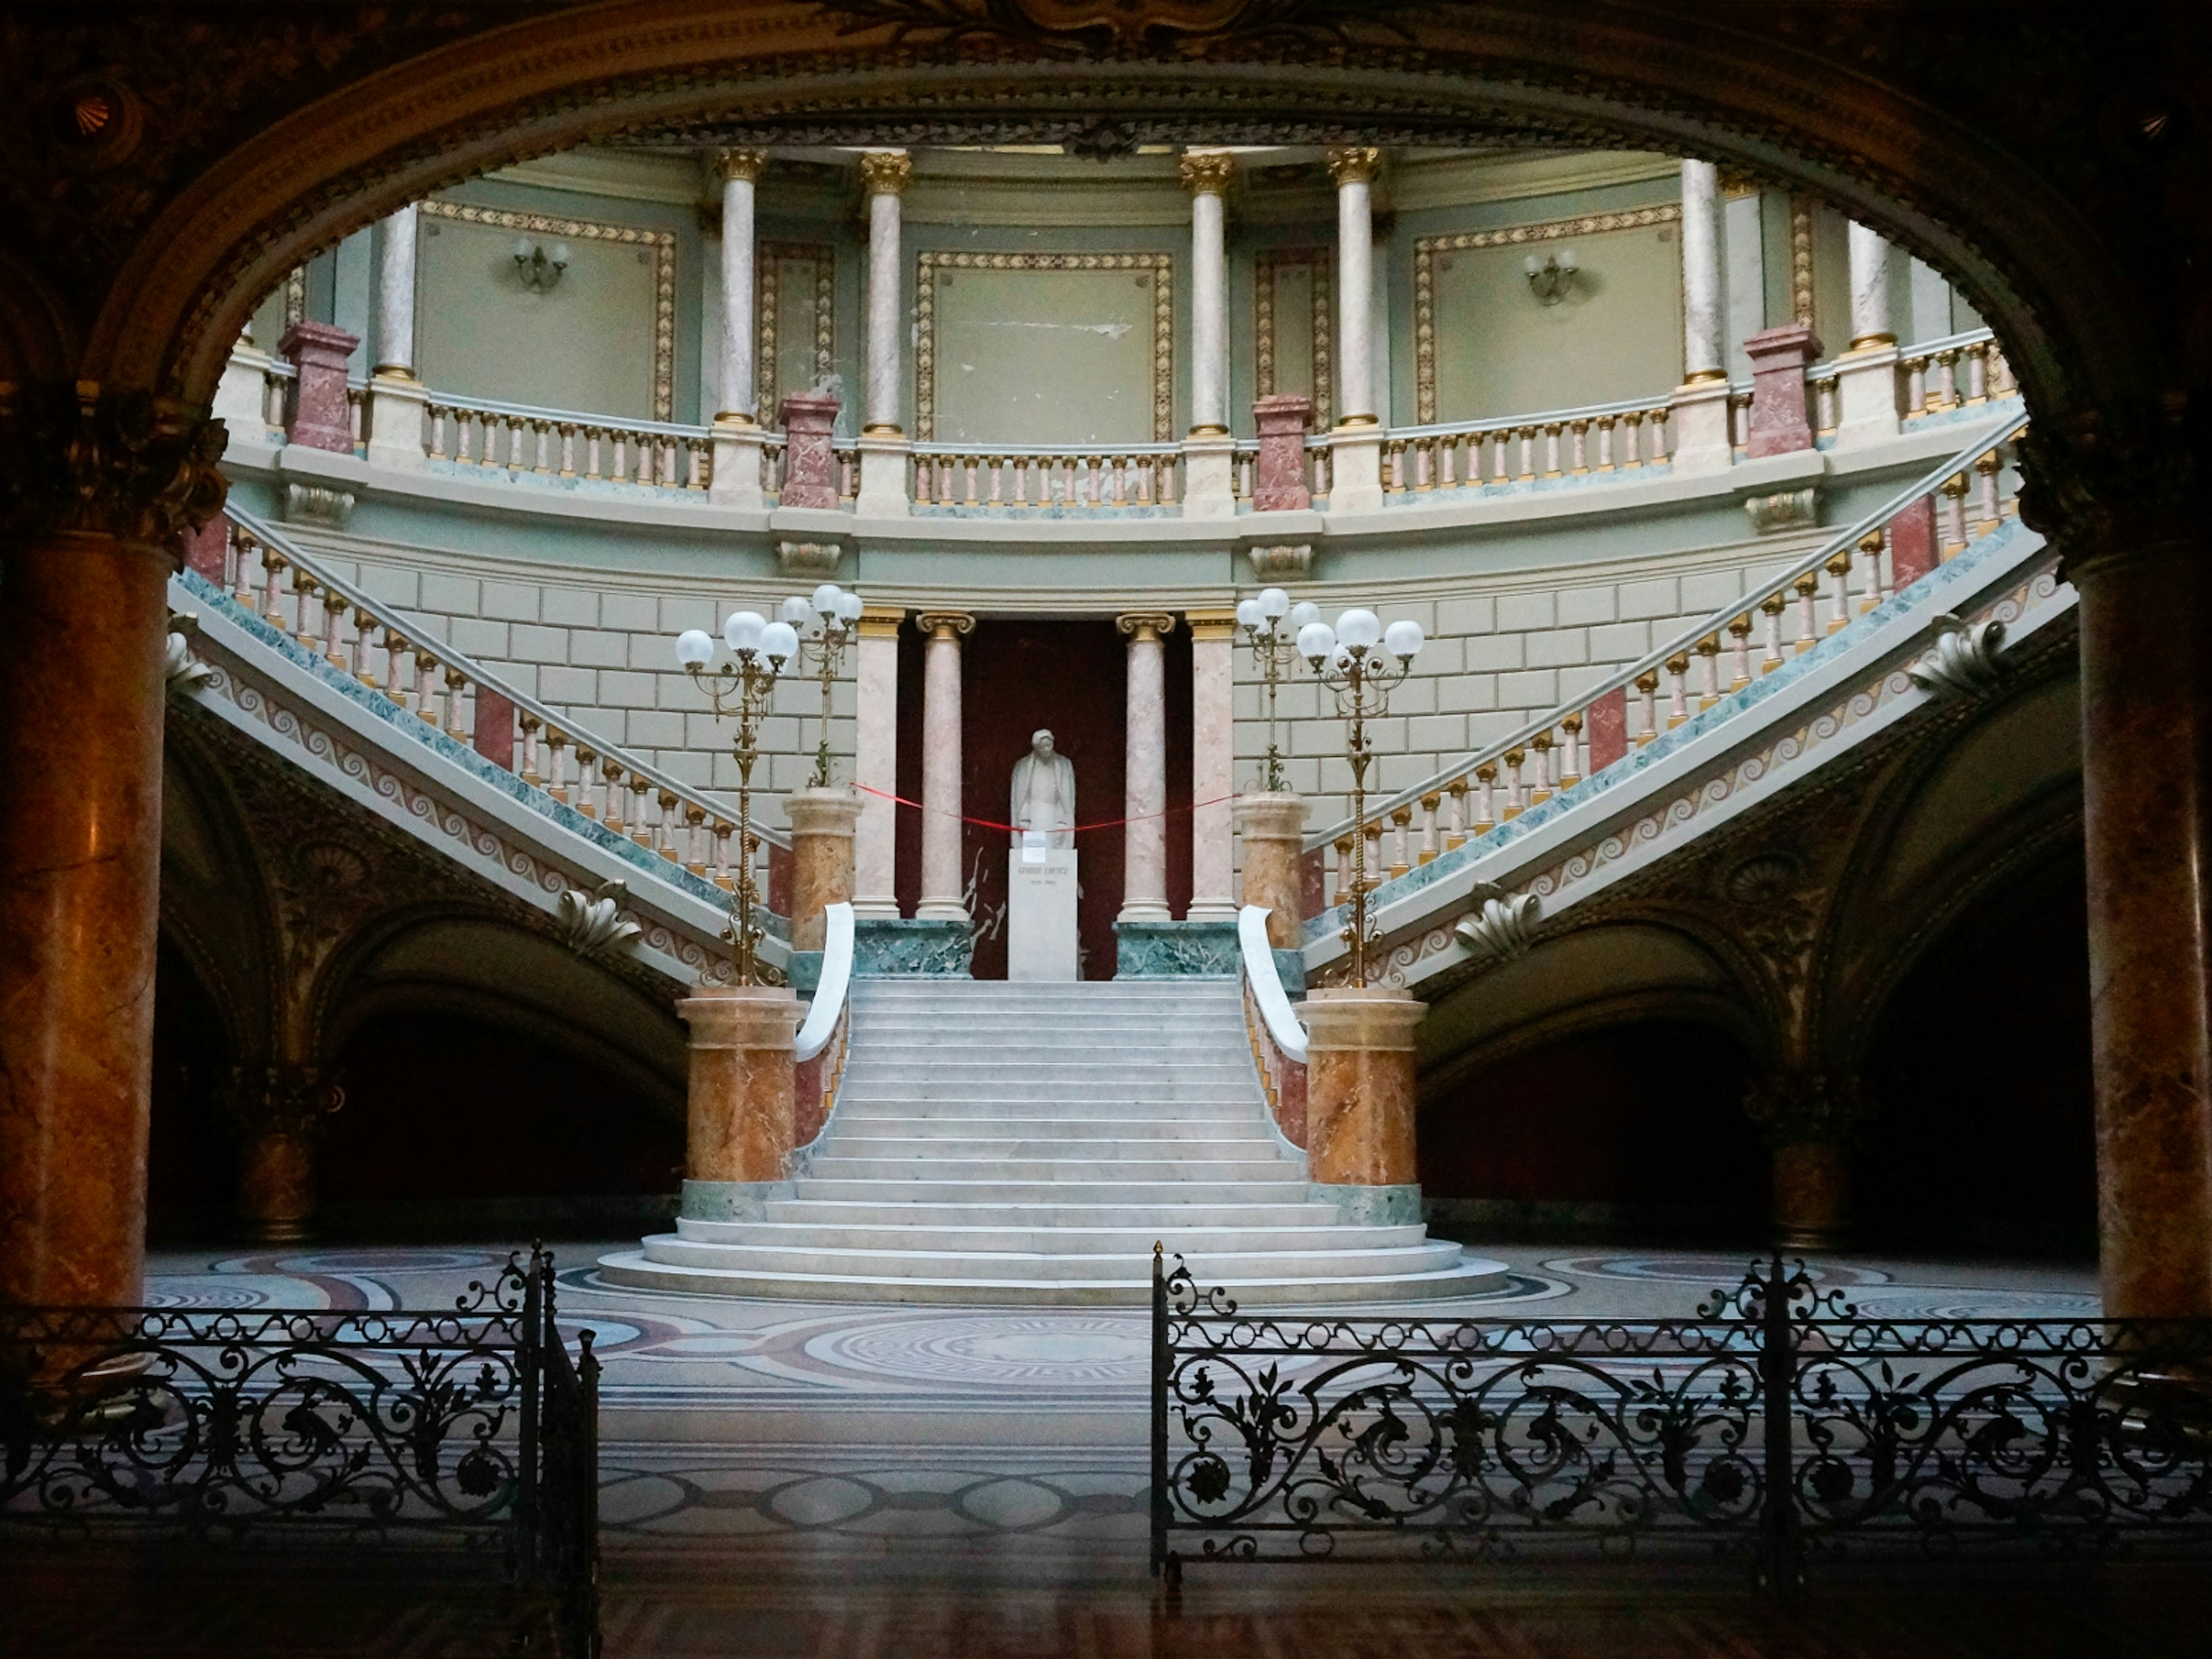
[[1356, 165], [1207, 171], [886, 172], [1118, 24]]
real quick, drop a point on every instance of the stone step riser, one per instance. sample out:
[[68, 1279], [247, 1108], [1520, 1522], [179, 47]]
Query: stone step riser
[[1160, 1171], [870, 1127], [995, 1192], [1152, 1220], [1207, 1267], [1165, 1154], [1051, 1241]]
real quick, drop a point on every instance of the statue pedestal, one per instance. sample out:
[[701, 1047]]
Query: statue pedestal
[[1040, 941]]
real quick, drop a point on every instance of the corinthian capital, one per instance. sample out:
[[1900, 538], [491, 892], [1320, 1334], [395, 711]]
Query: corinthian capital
[[75, 457], [1355, 166], [745, 164], [1207, 171], [886, 172], [2115, 482]]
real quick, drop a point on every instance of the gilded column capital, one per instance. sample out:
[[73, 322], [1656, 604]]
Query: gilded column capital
[[1355, 165], [1207, 171], [75, 457], [1212, 624], [2112, 483], [882, 622], [886, 172], [1146, 626], [945, 625], [741, 163]]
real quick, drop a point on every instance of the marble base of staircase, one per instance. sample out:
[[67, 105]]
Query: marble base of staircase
[[1028, 1143]]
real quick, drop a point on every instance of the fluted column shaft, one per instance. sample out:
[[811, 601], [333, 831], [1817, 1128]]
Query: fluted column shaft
[[1212, 765], [1144, 799], [1701, 272], [738, 397], [885, 173], [395, 295], [1354, 173], [942, 892], [875, 761]]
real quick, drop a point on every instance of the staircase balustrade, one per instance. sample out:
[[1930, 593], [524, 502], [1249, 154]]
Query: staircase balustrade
[[1082, 477], [1953, 374], [1847, 577], [563, 443]]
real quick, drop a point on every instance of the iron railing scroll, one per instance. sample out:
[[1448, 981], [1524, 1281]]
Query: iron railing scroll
[[1776, 1427], [474, 1426]]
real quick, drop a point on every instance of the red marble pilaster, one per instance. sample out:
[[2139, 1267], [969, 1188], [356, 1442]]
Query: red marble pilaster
[[204, 550], [321, 417], [1604, 729], [1779, 357], [810, 459], [1278, 482], [1912, 549], [86, 618], [494, 727]]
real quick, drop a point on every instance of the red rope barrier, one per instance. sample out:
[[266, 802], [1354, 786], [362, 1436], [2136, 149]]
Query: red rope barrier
[[992, 823]]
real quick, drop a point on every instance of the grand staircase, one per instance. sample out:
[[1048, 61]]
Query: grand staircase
[[1011, 1143]]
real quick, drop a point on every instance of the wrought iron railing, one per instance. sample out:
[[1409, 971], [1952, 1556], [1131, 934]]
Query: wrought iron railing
[[475, 1426], [1777, 1427]]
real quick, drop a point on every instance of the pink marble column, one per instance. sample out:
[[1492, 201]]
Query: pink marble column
[[875, 761], [1778, 421], [1278, 482], [942, 892], [1359, 1100], [1212, 765], [810, 459], [1145, 838], [321, 417]]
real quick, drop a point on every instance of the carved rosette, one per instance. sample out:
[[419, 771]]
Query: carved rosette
[[74, 457]]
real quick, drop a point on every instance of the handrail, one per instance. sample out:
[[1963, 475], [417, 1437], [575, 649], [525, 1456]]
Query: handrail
[[828, 1004], [418, 640], [1844, 540], [1542, 417], [1275, 1009], [934, 447], [571, 417]]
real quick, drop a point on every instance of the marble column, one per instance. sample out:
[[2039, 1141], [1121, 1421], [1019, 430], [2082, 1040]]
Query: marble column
[[884, 175], [1359, 1101], [1870, 405], [2146, 620], [1272, 828], [1209, 452], [1356, 448], [110, 483], [1145, 794], [821, 828], [1810, 1115], [943, 887], [738, 1139], [1700, 442], [875, 761], [395, 395], [736, 475], [1213, 764]]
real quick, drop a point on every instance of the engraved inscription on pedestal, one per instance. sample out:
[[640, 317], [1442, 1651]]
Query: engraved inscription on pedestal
[[1040, 936]]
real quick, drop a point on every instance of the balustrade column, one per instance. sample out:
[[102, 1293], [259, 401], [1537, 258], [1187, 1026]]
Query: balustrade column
[[875, 761], [1701, 404], [736, 475], [396, 397], [1209, 453], [882, 490], [1144, 837], [107, 483], [944, 894], [1356, 448], [1868, 390], [1212, 765]]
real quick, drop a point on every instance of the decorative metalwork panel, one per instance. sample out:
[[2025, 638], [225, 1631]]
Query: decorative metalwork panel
[[1776, 1426]]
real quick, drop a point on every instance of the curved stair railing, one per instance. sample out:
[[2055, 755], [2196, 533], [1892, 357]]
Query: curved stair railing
[[1517, 772]]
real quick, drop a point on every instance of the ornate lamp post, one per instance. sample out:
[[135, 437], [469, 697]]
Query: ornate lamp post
[[1270, 623], [832, 614], [1360, 662], [740, 690]]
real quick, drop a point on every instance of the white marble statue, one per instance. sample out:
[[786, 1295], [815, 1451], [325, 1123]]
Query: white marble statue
[[1044, 795]]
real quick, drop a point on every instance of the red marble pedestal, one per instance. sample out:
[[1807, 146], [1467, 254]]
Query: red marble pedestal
[[86, 618], [322, 418], [1778, 421], [1278, 482], [810, 459]]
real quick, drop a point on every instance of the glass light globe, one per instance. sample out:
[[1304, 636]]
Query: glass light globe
[[695, 647], [1248, 614], [1316, 641], [741, 630], [1403, 638], [849, 607], [1305, 611], [1274, 603], [1359, 629], [779, 641], [796, 612], [825, 600]]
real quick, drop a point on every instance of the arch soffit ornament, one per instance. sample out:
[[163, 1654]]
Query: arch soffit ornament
[[2044, 274]]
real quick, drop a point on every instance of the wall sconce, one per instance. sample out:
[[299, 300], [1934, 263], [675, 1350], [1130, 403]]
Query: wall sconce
[[539, 266], [1550, 277]]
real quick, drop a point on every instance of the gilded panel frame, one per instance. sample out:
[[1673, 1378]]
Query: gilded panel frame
[[767, 257], [1321, 261]]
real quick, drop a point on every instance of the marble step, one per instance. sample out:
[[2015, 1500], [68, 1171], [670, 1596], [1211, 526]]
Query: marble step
[[1284, 1184], [999, 1042], [1470, 1276], [833, 1166], [1187, 1235], [1208, 1267], [1011, 1151], [866, 1124], [1156, 1218], [1168, 1098]]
